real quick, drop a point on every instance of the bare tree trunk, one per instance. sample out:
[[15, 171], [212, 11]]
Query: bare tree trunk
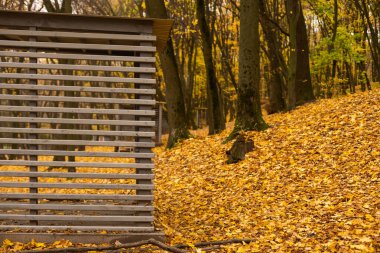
[[174, 95], [278, 75], [248, 116], [304, 88], [215, 106]]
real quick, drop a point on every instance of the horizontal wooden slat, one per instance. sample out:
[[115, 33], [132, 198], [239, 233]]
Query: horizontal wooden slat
[[77, 142], [77, 186], [75, 196], [81, 228], [77, 110], [58, 45], [79, 99], [78, 121], [78, 56], [78, 78], [74, 218], [75, 153], [19, 206], [76, 88], [76, 132], [75, 175], [78, 164], [79, 35], [77, 67]]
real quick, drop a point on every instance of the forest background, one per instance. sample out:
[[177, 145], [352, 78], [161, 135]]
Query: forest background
[[309, 49]]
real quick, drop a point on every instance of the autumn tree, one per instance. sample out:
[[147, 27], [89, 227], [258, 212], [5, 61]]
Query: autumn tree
[[299, 88], [216, 119], [278, 68], [174, 95], [248, 115]]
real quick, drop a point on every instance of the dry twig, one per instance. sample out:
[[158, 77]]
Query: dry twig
[[112, 247], [179, 248]]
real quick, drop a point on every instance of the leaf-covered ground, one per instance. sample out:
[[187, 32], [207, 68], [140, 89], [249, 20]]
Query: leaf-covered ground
[[312, 183]]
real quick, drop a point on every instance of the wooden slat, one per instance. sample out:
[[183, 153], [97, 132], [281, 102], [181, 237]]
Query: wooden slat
[[77, 164], [78, 99], [78, 121], [75, 132], [79, 35], [77, 186], [77, 142], [76, 110], [74, 217], [77, 67], [85, 46], [81, 228], [19, 206], [75, 175], [76, 88], [77, 56], [77, 78], [75, 196], [75, 153]]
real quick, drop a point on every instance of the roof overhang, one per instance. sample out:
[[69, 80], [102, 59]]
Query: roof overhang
[[158, 27]]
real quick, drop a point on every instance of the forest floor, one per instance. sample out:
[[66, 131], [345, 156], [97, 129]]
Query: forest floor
[[312, 183]]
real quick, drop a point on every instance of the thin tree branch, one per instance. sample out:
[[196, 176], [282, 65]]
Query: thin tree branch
[[153, 242], [179, 248], [214, 243]]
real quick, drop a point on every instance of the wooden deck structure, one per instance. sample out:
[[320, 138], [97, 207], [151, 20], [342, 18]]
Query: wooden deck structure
[[73, 90]]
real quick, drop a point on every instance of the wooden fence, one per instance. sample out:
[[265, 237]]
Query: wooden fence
[[75, 90]]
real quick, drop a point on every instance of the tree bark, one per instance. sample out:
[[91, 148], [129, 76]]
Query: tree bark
[[174, 95], [293, 13], [216, 117], [304, 88], [299, 79], [278, 75], [248, 116]]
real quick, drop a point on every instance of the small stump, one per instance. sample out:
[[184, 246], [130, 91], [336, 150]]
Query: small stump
[[241, 146]]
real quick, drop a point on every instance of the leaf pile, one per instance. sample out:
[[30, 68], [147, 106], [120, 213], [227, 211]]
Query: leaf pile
[[311, 184]]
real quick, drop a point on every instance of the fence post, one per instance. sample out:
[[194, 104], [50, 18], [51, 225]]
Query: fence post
[[33, 125]]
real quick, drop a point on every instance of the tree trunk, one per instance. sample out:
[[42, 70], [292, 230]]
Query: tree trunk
[[248, 116], [293, 13], [174, 95], [277, 81], [216, 117], [299, 79], [304, 88]]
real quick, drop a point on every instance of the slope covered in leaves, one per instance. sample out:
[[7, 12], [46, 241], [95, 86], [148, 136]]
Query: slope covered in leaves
[[312, 183]]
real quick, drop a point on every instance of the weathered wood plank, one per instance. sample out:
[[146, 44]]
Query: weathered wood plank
[[77, 67], [79, 99], [79, 35], [75, 196], [78, 121], [75, 153], [75, 132], [76, 110], [76, 88], [77, 56], [77, 164], [77, 142], [78, 207], [75, 175], [77, 78], [74, 217], [81, 228], [77, 186], [85, 46]]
